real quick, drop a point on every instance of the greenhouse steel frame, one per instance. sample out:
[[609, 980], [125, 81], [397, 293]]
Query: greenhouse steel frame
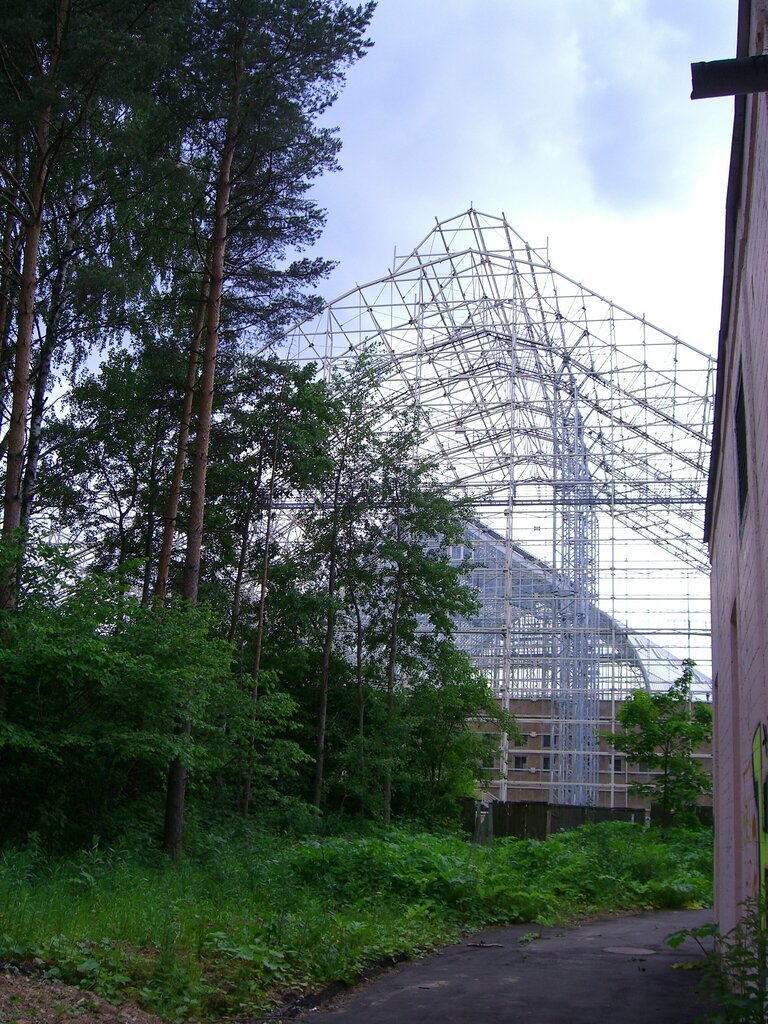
[[581, 433]]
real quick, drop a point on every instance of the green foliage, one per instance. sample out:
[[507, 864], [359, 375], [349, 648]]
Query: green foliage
[[662, 732], [250, 916], [107, 452], [130, 113], [93, 683], [442, 712], [737, 966]]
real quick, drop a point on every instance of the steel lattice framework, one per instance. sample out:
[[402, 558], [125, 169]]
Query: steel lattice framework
[[582, 434]]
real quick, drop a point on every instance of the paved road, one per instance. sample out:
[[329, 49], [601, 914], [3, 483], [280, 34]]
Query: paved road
[[616, 971]]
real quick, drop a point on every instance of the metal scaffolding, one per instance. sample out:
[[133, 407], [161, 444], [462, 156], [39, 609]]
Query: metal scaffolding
[[581, 432], [576, 694]]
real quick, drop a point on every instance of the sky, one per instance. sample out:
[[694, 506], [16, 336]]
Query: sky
[[571, 117]]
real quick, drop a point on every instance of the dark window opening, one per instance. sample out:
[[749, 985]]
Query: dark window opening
[[546, 740], [545, 763], [521, 760]]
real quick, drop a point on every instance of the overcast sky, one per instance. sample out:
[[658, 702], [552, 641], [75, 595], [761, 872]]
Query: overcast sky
[[572, 117]]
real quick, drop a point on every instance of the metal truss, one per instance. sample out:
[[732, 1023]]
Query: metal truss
[[575, 694], [581, 432]]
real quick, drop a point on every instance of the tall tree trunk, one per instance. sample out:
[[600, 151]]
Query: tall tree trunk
[[9, 270], [360, 696], [182, 443], [194, 547], [265, 559], [152, 489], [237, 592], [330, 631], [391, 666], [25, 324], [42, 379], [20, 397], [325, 674], [176, 791], [177, 774], [245, 805]]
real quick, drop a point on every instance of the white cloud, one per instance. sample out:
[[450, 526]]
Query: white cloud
[[572, 118]]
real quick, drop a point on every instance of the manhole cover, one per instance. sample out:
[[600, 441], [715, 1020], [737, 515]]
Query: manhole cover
[[630, 950]]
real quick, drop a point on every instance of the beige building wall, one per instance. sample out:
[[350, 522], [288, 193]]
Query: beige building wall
[[527, 774], [737, 511]]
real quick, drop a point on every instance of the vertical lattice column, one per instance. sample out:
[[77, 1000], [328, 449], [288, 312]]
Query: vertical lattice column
[[576, 672]]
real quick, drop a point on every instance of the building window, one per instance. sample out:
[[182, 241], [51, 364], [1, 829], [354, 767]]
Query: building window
[[545, 763], [742, 468], [618, 765], [520, 763], [546, 740]]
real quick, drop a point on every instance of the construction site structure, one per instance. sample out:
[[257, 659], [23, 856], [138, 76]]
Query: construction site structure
[[581, 434]]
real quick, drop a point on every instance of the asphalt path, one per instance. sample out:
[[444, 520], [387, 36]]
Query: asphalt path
[[613, 971]]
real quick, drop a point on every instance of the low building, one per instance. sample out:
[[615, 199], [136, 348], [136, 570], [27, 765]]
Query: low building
[[737, 512], [526, 768]]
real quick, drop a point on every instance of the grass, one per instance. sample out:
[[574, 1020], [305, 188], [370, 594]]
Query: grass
[[249, 920]]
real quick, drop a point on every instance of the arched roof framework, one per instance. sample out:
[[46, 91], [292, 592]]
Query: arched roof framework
[[580, 430]]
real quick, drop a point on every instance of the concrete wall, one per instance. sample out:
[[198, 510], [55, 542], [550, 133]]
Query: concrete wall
[[739, 538]]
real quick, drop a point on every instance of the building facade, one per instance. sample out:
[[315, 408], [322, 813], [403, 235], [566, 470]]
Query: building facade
[[737, 511], [526, 770]]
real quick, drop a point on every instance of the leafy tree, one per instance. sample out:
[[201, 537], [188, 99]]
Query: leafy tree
[[416, 584], [251, 107], [106, 457], [73, 77], [270, 70], [661, 732], [338, 526], [270, 446], [94, 681], [378, 539], [446, 750]]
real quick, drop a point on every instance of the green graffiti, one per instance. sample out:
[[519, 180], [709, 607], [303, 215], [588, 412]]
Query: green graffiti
[[759, 742]]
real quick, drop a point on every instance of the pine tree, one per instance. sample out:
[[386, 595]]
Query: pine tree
[[73, 78], [272, 70]]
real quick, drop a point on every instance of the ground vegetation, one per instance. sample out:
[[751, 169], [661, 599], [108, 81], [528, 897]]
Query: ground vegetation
[[267, 916]]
